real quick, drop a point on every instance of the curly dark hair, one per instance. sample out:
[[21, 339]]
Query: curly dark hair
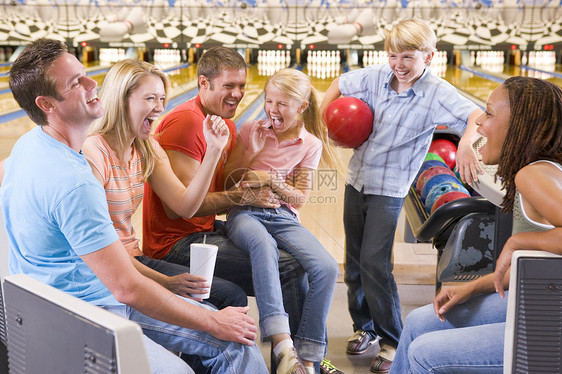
[[535, 129], [29, 78]]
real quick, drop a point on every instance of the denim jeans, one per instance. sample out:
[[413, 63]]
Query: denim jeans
[[223, 292], [261, 231], [370, 223], [162, 361], [217, 355], [469, 341], [233, 264]]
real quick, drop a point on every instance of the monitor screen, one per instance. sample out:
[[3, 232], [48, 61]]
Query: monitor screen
[[49, 331], [533, 329]]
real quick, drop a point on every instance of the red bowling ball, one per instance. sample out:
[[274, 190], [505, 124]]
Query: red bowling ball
[[446, 149], [447, 198], [349, 121]]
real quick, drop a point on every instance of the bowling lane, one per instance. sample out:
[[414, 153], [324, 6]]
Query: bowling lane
[[182, 81], [516, 70], [4, 82], [255, 84], [473, 84], [506, 71], [321, 84]]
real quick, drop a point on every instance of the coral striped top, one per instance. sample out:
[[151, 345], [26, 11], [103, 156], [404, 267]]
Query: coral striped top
[[123, 184]]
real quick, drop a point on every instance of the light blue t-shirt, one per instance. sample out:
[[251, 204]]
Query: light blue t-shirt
[[403, 125], [55, 210]]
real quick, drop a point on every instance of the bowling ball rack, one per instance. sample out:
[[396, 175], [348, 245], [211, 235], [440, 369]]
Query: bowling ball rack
[[468, 234]]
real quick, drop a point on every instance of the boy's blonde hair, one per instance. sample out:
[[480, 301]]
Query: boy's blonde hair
[[297, 85], [409, 35], [122, 79]]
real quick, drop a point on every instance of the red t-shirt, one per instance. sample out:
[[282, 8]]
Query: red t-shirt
[[181, 130]]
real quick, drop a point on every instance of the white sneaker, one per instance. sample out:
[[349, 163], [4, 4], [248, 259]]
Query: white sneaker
[[288, 362]]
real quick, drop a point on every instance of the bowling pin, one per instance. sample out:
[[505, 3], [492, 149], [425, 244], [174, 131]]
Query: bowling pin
[[274, 11], [389, 11], [116, 31], [44, 9], [158, 10]]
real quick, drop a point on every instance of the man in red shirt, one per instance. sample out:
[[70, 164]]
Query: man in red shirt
[[221, 79]]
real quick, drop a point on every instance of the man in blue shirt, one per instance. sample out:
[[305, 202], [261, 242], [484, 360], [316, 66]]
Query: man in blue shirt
[[408, 101], [60, 231]]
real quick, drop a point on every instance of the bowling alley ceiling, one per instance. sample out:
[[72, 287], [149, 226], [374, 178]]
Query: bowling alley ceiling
[[292, 24]]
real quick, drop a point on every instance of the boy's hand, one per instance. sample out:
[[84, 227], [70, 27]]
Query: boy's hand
[[468, 165]]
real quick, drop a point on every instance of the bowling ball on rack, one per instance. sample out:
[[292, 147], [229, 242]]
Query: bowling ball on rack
[[426, 165], [441, 189], [433, 156], [349, 121], [429, 173], [447, 198], [463, 183], [434, 181], [446, 149]]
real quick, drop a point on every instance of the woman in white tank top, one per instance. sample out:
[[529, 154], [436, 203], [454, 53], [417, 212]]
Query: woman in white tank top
[[463, 330]]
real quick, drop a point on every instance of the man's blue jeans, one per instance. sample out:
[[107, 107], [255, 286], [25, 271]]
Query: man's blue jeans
[[223, 292], [216, 355], [370, 223], [233, 264], [261, 231], [471, 340]]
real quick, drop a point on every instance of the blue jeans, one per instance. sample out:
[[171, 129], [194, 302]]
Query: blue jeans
[[261, 231], [218, 356], [233, 264], [370, 223], [162, 361], [223, 292], [469, 341]]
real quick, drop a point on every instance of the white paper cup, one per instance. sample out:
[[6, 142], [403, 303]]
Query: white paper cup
[[202, 263]]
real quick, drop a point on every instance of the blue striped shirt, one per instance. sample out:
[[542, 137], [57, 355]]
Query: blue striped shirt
[[403, 125]]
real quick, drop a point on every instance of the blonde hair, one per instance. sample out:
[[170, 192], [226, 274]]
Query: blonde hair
[[409, 35], [122, 79], [297, 85]]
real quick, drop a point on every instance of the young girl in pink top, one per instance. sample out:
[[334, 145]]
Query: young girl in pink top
[[282, 153]]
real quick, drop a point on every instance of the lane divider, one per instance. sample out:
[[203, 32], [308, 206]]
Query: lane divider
[[553, 73], [487, 76]]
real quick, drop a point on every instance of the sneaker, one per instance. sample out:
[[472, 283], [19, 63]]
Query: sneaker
[[289, 362], [326, 367]]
